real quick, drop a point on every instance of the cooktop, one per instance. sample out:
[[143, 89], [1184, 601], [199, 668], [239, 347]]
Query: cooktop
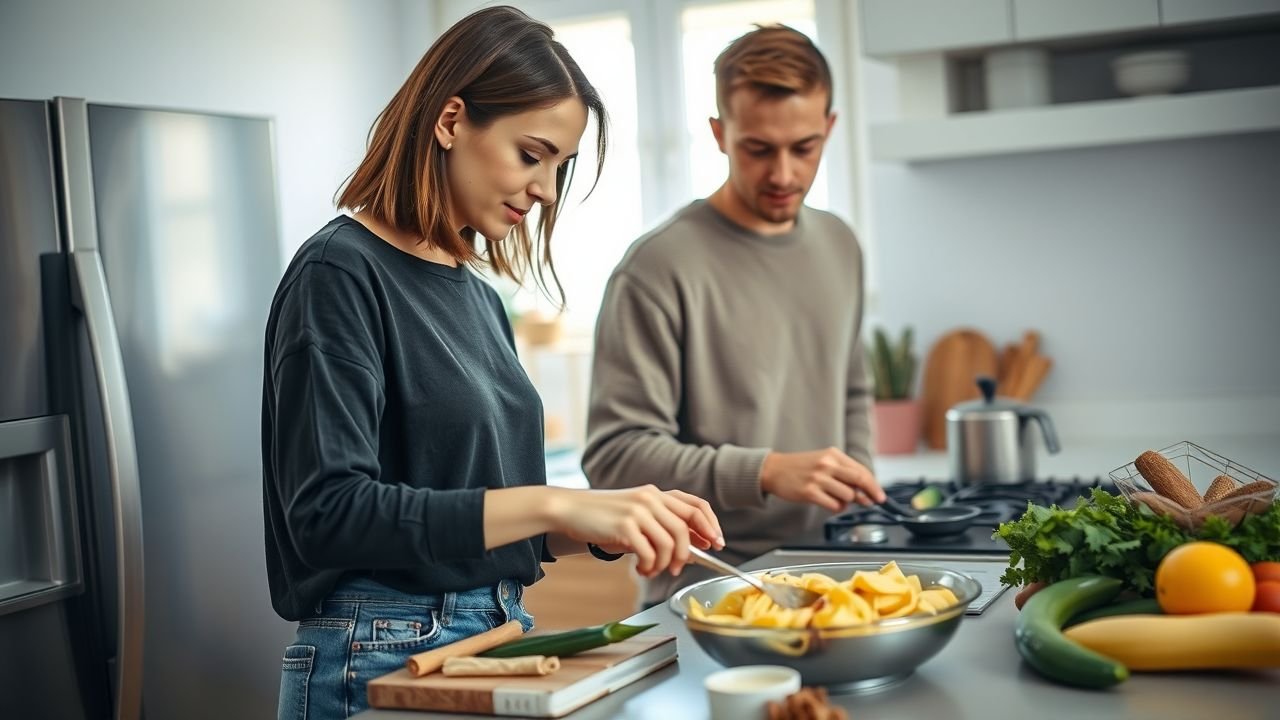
[[863, 528]]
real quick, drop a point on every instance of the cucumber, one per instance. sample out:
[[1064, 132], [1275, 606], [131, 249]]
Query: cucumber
[[569, 642], [1143, 606], [1039, 639]]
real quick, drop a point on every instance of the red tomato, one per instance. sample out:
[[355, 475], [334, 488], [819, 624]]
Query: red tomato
[[1266, 571], [1267, 598]]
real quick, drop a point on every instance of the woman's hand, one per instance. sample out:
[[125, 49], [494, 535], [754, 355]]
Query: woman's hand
[[657, 526]]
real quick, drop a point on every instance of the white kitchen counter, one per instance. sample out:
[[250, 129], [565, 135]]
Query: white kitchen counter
[[977, 676]]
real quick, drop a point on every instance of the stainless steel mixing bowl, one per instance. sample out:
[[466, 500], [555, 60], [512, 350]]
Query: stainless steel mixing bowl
[[845, 659]]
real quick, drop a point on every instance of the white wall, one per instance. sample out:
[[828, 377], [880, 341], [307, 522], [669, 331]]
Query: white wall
[[1149, 269], [419, 25], [322, 70]]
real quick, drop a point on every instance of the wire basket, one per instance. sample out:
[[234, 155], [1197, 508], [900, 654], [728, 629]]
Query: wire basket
[[1201, 467]]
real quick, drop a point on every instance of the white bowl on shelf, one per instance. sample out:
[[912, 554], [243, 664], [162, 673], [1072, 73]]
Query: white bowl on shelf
[[1156, 72]]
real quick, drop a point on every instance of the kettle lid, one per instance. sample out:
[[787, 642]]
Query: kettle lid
[[989, 405]]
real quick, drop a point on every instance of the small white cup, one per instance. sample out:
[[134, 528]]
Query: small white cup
[[741, 693]]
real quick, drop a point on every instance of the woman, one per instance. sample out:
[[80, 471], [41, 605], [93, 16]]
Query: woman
[[404, 479]]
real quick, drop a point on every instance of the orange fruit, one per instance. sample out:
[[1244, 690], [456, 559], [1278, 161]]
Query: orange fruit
[[1267, 598], [1204, 577], [1264, 571]]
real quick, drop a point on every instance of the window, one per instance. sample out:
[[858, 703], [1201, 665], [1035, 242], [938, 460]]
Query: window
[[591, 236], [705, 31]]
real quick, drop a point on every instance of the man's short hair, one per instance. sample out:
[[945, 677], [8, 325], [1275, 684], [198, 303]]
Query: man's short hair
[[773, 60]]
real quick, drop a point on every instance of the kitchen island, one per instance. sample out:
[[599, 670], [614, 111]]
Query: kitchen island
[[977, 675]]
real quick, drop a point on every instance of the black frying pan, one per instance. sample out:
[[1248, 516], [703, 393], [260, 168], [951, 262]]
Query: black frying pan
[[934, 522]]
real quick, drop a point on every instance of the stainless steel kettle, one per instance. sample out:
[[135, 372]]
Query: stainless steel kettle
[[990, 440]]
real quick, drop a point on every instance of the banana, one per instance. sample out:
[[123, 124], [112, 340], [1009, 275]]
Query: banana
[[1184, 642]]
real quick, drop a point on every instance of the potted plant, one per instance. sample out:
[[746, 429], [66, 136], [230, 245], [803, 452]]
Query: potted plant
[[896, 413]]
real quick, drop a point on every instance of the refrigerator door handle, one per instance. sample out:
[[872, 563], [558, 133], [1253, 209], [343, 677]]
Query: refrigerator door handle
[[122, 459], [89, 288]]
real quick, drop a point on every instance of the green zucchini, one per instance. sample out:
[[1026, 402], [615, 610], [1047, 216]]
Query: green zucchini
[[570, 642], [1143, 606], [1039, 639]]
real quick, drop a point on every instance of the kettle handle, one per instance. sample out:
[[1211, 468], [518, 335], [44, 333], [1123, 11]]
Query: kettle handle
[[1046, 426]]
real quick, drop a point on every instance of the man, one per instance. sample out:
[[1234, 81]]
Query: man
[[728, 359]]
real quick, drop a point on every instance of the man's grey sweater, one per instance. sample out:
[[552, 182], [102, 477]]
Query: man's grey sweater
[[716, 345]]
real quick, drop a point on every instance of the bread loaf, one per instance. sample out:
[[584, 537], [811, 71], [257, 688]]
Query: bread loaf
[[1219, 488], [1166, 479]]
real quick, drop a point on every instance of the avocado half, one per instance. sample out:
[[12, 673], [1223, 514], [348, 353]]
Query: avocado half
[[929, 497]]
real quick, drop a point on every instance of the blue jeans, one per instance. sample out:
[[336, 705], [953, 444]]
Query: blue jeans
[[364, 630]]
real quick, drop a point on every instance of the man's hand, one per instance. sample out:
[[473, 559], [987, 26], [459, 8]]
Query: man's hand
[[827, 478]]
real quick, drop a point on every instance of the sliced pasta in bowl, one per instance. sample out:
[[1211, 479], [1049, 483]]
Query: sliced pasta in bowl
[[873, 624]]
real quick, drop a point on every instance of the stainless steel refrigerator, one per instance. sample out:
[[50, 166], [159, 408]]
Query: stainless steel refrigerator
[[138, 255]]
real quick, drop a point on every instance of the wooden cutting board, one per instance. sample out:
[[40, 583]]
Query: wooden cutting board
[[581, 679], [953, 363]]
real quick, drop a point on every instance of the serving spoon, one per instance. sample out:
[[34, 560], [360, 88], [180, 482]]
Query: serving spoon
[[787, 596]]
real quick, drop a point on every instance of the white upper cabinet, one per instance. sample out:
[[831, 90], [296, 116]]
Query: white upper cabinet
[[1185, 11], [893, 27], [1041, 19], [902, 27]]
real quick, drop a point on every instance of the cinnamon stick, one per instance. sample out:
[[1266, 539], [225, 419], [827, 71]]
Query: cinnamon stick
[[432, 660]]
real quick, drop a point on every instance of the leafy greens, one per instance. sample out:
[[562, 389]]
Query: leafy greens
[[1107, 535]]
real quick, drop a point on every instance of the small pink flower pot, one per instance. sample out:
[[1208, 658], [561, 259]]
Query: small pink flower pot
[[897, 426]]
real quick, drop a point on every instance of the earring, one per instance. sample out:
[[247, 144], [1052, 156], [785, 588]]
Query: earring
[[449, 146]]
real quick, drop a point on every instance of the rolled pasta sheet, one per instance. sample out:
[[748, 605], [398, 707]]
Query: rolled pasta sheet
[[477, 666]]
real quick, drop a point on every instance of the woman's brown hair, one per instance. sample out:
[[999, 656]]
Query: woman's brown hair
[[500, 62]]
